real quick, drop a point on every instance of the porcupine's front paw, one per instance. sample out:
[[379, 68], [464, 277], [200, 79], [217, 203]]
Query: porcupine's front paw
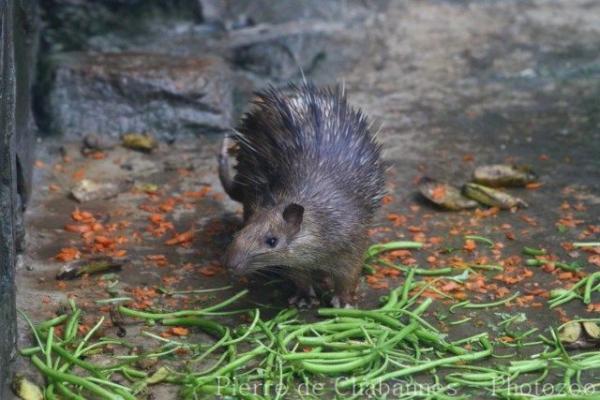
[[338, 302], [304, 298]]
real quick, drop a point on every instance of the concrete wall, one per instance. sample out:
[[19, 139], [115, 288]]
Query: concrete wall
[[18, 27]]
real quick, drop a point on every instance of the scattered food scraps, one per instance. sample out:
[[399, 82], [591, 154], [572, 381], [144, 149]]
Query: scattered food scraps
[[68, 254], [492, 197], [445, 195], [25, 389], [94, 265], [181, 238], [503, 175], [138, 141]]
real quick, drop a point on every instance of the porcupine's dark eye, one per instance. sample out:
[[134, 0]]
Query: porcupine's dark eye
[[271, 241]]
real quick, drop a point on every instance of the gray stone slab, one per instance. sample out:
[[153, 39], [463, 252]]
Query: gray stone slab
[[114, 93]]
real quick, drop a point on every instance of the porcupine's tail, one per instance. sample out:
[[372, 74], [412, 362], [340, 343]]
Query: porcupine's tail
[[232, 188]]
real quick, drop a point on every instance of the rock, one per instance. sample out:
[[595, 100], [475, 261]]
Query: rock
[[94, 142], [70, 25], [113, 93], [88, 190]]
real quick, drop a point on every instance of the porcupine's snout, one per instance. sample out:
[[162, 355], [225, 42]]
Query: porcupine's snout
[[235, 259]]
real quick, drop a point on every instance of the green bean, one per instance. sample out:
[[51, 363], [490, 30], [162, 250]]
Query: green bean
[[49, 347], [248, 331], [374, 315], [406, 288], [460, 321], [393, 301], [72, 326], [195, 291], [337, 368], [33, 330], [418, 271], [573, 267], [51, 322], [210, 327], [132, 373], [30, 351], [488, 267], [381, 247], [108, 383], [534, 262], [238, 362], [87, 337], [438, 341], [316, 341], [49, 392], [586, 244], [323, 356], [178, 314], [523, 366], [422, 307], [480, 239], [68, 393], [530, 251], [587, 291], [114, 300], [398, 337], [468, 304], [415, 316], [477, 336], [74, 360]]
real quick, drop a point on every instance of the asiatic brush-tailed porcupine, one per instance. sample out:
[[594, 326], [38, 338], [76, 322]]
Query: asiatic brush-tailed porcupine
[[310, 177]]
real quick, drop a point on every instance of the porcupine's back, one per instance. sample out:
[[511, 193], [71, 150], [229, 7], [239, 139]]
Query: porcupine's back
[[305, 142]]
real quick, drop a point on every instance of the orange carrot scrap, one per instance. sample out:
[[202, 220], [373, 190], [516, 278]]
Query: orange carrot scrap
[[75, 228], [533, 185], [209, 270], [68, 254], [397, 219], [179, 331], [181, 238], [470, 245], [199, 193]]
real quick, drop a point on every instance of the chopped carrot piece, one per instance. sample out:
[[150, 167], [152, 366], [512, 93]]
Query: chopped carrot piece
[[68, 254], [470, 245], [181, 238], [180, 331]]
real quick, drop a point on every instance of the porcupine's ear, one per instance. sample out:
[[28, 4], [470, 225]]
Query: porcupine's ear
[[292, 215]]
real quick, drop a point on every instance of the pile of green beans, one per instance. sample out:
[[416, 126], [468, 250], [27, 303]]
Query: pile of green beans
[[57, 357], [259, 359]]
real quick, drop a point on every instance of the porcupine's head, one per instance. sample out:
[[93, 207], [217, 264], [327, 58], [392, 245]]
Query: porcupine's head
[[270, 238]]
